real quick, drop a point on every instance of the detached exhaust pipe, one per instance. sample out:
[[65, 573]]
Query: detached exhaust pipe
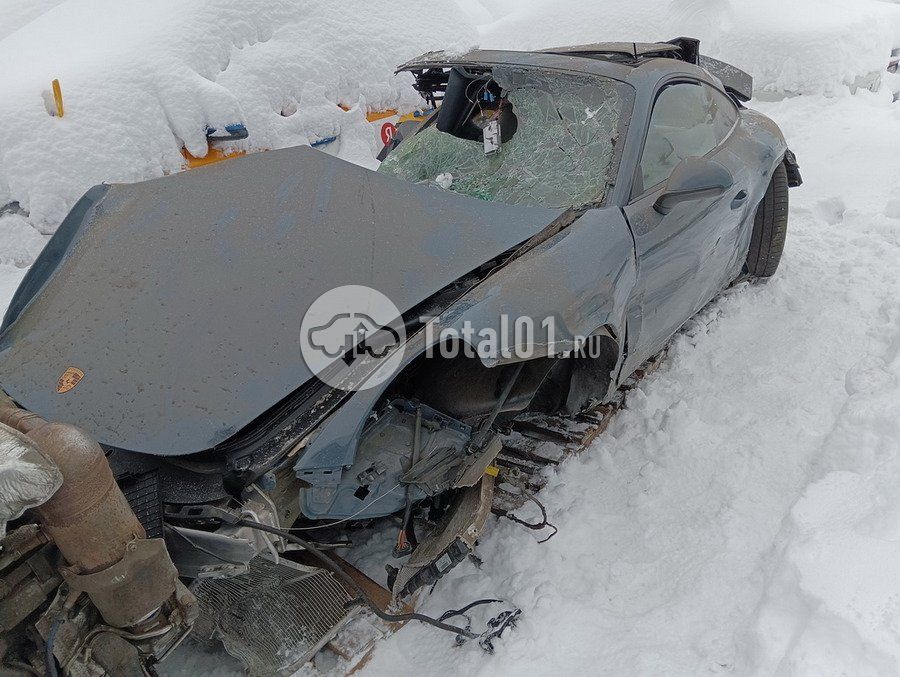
[[127, 576]]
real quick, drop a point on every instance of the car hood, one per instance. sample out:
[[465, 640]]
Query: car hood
[[180, 299]]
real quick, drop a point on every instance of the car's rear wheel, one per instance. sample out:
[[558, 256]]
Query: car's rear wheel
[[769, 227]]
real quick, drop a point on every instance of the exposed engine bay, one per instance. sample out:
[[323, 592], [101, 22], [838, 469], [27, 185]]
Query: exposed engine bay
[[83, 591], [105, 574]]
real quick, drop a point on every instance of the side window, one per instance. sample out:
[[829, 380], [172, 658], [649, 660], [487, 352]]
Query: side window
[[723, 112], [681, 126]]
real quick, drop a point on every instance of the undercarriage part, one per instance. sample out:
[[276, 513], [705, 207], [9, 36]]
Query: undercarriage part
[[452, 541], [535, 441], [273, 618]]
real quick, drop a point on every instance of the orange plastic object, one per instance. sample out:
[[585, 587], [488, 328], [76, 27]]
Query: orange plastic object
[[57, 97], [375, 115], [213, 156]]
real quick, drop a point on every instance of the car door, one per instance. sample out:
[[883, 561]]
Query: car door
[[683, 255]]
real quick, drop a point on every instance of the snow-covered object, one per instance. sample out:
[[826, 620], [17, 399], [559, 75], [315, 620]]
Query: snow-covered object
[[796, 47], [444, 180], [142, 79], [27, 477]]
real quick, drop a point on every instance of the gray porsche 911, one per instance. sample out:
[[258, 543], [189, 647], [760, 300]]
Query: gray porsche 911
[[522, 250]]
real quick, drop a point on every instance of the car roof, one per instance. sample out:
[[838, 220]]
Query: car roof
[[574, 61], [641, 64]]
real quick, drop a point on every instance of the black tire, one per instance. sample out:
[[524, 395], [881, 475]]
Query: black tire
[[769, 227]]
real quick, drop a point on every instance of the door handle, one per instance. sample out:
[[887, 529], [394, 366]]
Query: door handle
[[739, 199]]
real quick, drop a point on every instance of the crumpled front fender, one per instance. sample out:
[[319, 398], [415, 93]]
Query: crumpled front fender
[[581, 277]]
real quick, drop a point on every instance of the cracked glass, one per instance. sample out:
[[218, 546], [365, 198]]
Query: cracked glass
[[562, 154]]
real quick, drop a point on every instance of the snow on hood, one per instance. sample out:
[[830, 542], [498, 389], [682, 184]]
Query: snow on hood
[[181, 299]]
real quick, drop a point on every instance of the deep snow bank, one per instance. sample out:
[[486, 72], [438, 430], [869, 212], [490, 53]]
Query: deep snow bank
[[802, 46]]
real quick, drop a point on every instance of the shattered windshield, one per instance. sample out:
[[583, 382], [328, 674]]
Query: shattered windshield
[[561, 149]]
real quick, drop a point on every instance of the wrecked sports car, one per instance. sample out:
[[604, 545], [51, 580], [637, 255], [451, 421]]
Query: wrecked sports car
[[171, 459]]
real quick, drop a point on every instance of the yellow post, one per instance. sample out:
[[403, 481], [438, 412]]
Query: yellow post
[[57, 97]]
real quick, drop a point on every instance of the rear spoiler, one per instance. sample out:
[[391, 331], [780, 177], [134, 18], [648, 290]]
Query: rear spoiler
[[736, 82]]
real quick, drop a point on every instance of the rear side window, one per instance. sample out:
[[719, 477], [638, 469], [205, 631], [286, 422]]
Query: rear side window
[[688, 120], [722, 111]]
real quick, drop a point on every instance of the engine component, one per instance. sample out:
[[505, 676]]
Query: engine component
[[28, 584], [274, 617], [383, 455], [451, 543], [93, 541], [136, 586], [88, 517]]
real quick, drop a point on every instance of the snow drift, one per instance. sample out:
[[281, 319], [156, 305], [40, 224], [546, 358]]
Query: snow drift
[[141, 80], [798, 47]]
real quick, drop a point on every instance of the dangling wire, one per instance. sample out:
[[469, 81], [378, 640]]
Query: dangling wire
[[363, 597], [477, 100], [530, 525]]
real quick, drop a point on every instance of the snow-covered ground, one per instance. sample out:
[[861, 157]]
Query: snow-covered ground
[[742, 514]]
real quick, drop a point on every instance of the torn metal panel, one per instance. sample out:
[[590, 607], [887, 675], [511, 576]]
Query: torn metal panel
[[452, 541], [541, 283]]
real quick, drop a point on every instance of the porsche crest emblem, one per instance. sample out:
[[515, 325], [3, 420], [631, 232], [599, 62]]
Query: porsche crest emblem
[[70, 378]]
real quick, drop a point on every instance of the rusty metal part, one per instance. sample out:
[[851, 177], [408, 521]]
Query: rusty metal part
[[88, 517], [26, 587], [20, 542], [135, 586], [130, 579], [117, 655]]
